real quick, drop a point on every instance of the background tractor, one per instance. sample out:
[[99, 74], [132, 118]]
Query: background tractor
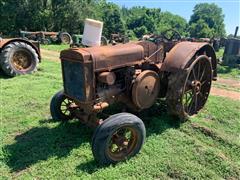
[[135, 75], [19, 56], [77, 41], [231, 56], [47, 37]]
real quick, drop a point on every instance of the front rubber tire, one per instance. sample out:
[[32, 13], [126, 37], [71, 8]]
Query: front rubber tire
[[105, 132], [7, 58]]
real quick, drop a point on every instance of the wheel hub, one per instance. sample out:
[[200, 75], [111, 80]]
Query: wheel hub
[[122, 143], [21, 60], [196, 86]]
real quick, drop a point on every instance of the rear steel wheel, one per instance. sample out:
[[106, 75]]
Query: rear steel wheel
[[188, 92]]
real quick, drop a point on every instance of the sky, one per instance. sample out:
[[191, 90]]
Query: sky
[[184, 8]]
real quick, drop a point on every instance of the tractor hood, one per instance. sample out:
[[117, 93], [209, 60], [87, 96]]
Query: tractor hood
[[106, 57]]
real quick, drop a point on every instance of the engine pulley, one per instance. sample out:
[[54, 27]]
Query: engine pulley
[[145, 89]]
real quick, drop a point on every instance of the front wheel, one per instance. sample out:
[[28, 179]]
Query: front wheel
[[61, 107], [118, 138]]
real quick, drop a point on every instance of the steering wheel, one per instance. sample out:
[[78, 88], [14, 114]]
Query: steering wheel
[[171, 35]]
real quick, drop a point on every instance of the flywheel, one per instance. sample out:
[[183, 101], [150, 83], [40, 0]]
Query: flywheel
[[145, 89]]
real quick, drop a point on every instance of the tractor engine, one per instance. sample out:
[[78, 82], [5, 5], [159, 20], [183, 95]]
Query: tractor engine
[[99, 76]]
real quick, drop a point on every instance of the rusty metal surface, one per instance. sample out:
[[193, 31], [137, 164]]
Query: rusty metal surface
[[39, 32], [149, 48], [181, 55], [4, 41], [145, 89], [107, 57]]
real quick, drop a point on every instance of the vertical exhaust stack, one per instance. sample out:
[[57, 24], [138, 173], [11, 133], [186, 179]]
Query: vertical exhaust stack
[[236, 31], [92, 33]]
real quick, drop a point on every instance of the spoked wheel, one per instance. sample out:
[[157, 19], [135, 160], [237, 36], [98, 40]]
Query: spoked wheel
[[118, 138], [188, 92], [62, 107], [122, 143]]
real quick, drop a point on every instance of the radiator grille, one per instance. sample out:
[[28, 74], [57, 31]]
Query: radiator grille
[[73, 77]]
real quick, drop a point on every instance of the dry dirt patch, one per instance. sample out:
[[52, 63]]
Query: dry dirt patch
[[225, 93], [50, 55]]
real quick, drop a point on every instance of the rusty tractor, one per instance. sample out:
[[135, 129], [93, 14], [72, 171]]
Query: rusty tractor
[[47, 37], [19, 56], [135, 74]]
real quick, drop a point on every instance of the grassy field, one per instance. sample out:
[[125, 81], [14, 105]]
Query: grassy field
[[228, 72], [54, 47], [35, 147], [225, 71]]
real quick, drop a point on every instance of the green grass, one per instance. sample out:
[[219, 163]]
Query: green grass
[[228, 72], [219, 54], [55, 47], [35, 147]]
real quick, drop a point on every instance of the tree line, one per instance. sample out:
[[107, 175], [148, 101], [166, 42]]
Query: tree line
[[207, 19]]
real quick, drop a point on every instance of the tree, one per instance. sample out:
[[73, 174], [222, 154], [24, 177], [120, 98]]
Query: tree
[[141, 20], [200, 29], [112, 18], [211, 18], [168, 20]]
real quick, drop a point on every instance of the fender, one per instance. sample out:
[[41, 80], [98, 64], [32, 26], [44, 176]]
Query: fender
[[33, 44], [183, 54]]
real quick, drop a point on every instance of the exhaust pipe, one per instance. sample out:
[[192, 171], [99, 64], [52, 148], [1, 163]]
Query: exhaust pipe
[[236, 31]]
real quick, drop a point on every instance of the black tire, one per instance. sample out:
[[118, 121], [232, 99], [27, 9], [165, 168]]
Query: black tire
[[25, 55], [45, 41], [65, 38], [109, 129], [55, 107], [104, 41]]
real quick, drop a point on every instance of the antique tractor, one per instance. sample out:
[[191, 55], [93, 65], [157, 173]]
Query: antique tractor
[[231, 56], [19, 56], [47, 37], [135, 74]]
